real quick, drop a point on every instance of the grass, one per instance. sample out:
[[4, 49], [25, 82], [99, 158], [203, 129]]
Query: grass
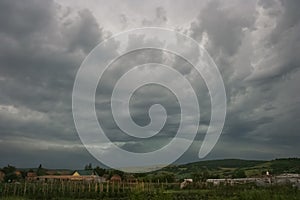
[[240, 192]]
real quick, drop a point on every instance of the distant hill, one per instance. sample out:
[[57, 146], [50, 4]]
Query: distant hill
[[229, 167]]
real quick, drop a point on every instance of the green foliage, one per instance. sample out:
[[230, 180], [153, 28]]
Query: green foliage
[[239, 174], [100, 171], [41, 171], [162, 176], [285, 165], [157, 195], [68, 191], [229, 168], [10, 173], [88, 166], [118, 172], [9, 169], [226, 163]]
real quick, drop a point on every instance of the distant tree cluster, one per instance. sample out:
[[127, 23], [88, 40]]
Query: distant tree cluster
[[11, 174], [239, 173], [203, 174], [41, 171]]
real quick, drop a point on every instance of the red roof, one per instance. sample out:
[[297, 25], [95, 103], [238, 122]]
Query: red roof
[[115, 177], [31, 174]]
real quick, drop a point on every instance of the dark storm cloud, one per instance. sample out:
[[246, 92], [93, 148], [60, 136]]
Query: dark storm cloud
[[85, 33], [42, 45], [21, 18], [143, 98], [224, 26], [282, 44], [255, 45], [247, 47]]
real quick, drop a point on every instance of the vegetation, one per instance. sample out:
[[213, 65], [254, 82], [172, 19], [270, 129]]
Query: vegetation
[[41, 171], [161, 184], [285, 165], [233, 168], [199, 171], [241, 192]]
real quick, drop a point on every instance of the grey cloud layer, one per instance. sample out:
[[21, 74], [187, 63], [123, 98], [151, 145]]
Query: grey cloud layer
[[256, 46]]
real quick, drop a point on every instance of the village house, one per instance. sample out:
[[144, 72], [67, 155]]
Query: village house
[[18, 173], [260, 181], [51, 172], [78, 175], [185, 182], [286, 178], [31, 176], [129, 178], [87, 175], [233, 181], [116, 178]]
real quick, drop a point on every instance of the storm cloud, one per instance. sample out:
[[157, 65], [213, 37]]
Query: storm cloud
[[255, 45]]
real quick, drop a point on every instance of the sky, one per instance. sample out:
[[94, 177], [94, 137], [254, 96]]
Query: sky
[[255, 45]]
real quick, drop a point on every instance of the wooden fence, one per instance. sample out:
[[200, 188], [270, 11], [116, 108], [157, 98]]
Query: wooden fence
[[75, 189]]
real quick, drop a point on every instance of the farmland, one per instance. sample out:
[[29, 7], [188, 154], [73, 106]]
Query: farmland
[[155, 192]]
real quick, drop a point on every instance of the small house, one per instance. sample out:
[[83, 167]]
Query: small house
[[87, 175], [84, 173], [116, 178], [31, 176]]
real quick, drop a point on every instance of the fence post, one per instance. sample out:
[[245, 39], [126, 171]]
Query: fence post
[[96, 187], [24, 189]]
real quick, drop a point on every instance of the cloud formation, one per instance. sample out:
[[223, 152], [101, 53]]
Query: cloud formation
[[254, 44]]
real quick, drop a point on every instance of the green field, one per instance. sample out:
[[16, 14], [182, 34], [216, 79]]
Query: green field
[[226, 168], [243, 192]]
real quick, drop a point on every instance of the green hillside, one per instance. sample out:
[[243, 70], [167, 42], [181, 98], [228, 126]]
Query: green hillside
[[229, 168]]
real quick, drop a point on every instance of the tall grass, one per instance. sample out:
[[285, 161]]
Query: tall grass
[[142, 191]]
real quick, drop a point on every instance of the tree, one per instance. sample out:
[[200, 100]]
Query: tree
[[9, 169], [201, 175], [41, 171], [164, 177], [114, 171], [100, 171], [88, 167], [10, 173], [239, 174]]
